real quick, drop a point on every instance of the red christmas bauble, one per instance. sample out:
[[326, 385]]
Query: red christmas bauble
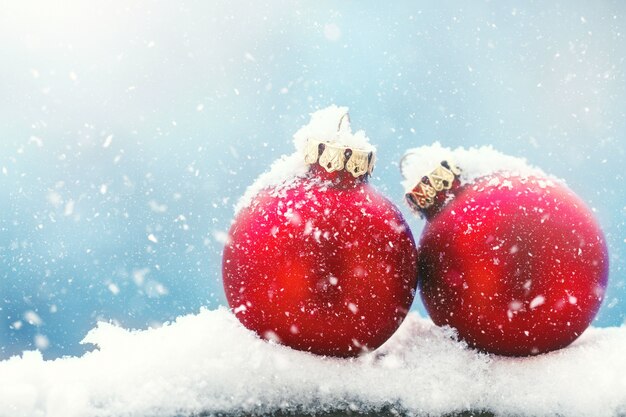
[[327, 265], [518, 266]]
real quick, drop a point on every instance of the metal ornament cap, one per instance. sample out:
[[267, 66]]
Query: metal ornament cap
[[433, 186], [334, 157]]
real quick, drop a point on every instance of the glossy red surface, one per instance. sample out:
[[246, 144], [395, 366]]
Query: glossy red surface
[[518, 267], [329, 269]]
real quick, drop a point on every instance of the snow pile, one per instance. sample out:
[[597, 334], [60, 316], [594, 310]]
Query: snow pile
[[284, 172], [474, 163], [209, 363], [331, 124]]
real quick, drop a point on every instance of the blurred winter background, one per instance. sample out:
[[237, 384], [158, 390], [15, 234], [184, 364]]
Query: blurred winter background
[[129, 129]]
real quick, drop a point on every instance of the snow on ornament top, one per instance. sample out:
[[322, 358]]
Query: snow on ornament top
[[432, 175], [332, 125], [329, 127], [477, 162]]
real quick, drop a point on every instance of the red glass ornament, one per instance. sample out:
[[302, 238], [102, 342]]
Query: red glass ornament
[[518, 266], [327, 266]]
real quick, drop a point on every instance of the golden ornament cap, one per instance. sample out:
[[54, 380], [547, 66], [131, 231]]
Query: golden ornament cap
[[433, 186], [335, 157]]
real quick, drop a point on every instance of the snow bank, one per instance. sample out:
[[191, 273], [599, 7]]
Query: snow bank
[[331, 124], [209, 363], [474, 163]]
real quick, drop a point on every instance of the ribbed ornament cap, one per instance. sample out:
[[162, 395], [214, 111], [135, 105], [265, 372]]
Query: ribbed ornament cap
[[431, 192], [333, 156]]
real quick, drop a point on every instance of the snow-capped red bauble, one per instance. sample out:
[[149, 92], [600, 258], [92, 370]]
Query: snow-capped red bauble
[[319, 260], [515, 262]]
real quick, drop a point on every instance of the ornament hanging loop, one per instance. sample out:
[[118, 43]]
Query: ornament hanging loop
[[344, 117], [402, 163]]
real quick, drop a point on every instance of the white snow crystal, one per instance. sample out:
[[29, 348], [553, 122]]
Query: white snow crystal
[[156, 207], [330, 124], [69, 208], [221, 237], [107, 141], [114, 288], [41, 342], [332, 32], [473, 162], [33, 318], [209, 363], [537, 301]]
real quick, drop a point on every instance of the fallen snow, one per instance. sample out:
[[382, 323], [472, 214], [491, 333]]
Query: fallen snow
[[209, 363], [330, 124], [474, 163], [283, 172]]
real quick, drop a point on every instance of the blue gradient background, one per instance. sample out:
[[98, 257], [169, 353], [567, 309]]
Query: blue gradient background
[[200, 97]]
